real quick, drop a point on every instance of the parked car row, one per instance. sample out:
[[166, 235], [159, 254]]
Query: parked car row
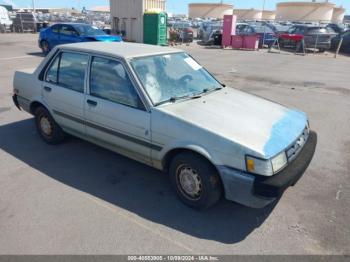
[[317, 36], [27, 21]]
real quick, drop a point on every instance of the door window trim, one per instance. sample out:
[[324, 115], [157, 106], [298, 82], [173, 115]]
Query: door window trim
[[128, 73], [53, 59]]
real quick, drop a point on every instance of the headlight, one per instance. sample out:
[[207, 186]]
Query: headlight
[[279, 162], [266, 167], [259, 166]]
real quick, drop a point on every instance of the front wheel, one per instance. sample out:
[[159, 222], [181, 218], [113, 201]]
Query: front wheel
[[47, 127], [45, 47], [195, 180]]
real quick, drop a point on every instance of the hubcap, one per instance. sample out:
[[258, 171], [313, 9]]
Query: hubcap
[[190, 182], [45, 126]]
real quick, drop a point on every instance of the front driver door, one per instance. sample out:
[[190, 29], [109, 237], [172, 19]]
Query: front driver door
[[115, 116], [68, 34]]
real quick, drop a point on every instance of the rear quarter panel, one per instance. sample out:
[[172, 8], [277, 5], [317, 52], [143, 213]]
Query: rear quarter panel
[[27, 87]]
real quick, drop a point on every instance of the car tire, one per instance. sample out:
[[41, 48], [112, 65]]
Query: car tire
[[45, 47], [47, 127], [195, 180], [2, 28], [321, 50]]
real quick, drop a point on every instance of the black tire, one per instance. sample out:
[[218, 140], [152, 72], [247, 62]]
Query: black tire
[[55, 135], [207, 177], [45, 47], [2, 28], [321, 50]]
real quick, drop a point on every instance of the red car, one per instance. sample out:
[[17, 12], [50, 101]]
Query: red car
[[318, 37]]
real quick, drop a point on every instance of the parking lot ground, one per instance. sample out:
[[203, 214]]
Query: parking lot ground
[[77, 198]]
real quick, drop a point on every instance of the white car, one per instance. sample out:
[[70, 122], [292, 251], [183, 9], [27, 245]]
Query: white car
[[5, 21], [158, 106]]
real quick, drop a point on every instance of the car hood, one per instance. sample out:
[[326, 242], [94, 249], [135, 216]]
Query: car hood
[[105, 38], [260, 125]]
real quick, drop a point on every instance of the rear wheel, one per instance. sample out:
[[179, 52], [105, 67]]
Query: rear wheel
[[2, 28], [47, 127], [195, 180]]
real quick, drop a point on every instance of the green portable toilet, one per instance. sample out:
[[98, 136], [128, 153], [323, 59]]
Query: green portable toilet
[[155, 28]]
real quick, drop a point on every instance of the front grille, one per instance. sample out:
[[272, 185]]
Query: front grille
[[294, 149]]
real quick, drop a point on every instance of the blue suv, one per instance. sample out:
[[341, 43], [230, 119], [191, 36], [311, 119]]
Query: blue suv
[[59, 34]]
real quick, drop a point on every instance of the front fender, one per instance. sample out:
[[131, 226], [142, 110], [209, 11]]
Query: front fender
[[159, 161]]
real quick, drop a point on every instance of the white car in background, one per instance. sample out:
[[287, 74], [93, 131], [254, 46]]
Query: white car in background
[[158, 106], [5, 21]]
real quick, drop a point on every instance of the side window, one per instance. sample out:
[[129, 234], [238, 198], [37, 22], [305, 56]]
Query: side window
[[68, 30], [249, 30], [68, 71], [292, 30], [52, 73], [55, 29], [110, 81], [299, 30]]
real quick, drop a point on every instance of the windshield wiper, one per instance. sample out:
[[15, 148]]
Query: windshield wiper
[[207, 90], [173, 99]]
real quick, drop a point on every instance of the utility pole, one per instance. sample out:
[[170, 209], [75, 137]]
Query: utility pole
[[262, 13]]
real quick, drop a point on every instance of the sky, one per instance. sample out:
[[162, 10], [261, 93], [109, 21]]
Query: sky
[[173, 6]]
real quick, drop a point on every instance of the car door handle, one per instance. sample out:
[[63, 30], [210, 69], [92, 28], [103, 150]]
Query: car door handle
[[47, 89], [91, 102]]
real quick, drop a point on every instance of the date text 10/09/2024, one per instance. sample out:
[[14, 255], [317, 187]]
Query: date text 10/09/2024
[[172, 258]]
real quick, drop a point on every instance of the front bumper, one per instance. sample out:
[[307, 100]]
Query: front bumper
[[15, 101], [258, 191]]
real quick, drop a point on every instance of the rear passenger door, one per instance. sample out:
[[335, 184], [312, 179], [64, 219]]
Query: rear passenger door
[[115, 115], [63, 90]]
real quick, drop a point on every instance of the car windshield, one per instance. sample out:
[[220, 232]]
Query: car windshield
[[171, 77], [87, 30], [181, 25]]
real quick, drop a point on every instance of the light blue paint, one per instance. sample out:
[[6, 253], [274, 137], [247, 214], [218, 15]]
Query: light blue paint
[[109, 38], [285, 131]]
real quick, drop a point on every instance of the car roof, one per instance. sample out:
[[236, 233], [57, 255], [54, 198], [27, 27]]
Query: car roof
[[70, 23], [120, 49]]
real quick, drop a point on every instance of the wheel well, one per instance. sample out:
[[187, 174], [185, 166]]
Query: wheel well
[[172, 153], [34, 106]]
